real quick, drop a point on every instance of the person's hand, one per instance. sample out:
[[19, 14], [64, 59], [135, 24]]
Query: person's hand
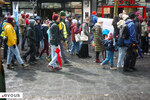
[[14, 46]]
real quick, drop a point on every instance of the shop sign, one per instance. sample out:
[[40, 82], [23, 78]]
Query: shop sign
[[120, 2]]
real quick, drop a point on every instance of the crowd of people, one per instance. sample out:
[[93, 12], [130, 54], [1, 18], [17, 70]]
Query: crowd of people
[[65, 33]]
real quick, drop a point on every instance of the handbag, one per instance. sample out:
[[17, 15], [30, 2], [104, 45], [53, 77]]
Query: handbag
[[77, 37], [83, 37]]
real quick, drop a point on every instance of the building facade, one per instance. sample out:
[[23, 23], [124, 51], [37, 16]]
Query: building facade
[[104, 8]]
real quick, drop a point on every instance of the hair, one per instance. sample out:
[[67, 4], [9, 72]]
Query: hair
[[115, 20]]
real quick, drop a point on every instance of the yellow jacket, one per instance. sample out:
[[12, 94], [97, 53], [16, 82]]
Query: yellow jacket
[[61, 26], [10, 34]]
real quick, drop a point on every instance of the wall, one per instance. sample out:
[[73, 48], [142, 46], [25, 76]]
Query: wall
[[86, 8]]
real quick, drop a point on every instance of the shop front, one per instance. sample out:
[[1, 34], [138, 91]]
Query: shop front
[[105, 8]]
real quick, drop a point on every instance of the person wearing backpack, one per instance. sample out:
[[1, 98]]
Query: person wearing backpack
[[122, 48], [130, 42], [93, 21]]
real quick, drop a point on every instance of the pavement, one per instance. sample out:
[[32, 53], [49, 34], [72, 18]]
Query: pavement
[[85, 80]]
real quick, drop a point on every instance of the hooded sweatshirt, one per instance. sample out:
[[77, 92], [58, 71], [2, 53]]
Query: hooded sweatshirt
[[74, 30], [10, 34]]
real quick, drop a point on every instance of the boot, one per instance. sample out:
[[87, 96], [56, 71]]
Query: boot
[[97, 61], [10, 67], [24, 65]]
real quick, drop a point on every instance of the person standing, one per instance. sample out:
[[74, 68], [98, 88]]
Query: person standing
[[12, 43], [55, 42], [84, 50], [79, 21], [74, 29], [63, 33], [38, 34], [131, 54], [144, 36], [98, 38], [45, 39], [31, 43], [68, 27], [22, 28], [122, 47]]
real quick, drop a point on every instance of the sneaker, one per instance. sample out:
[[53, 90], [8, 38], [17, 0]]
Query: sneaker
[[103, 66], [58, 68], [113, 68], [97, 61], [67, 63], [51, 68], [25, 65], [10, 67], [41, 58]]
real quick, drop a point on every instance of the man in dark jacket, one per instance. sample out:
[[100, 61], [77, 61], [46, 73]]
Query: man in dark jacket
[[55, 42], [131, 54], [31, 43], [138, 29], [38, 34], [68, 27]]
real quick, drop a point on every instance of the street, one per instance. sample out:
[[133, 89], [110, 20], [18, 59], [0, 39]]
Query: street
[[85, 80]]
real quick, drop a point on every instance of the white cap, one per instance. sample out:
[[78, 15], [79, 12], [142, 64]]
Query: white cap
[[124, 17], [22, 12], [74, 21]]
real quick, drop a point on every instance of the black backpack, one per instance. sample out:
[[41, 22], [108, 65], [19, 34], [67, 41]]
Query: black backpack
[[91, 23]]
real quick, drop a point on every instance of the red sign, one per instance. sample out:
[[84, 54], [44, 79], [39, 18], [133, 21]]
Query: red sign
[[120, 2]]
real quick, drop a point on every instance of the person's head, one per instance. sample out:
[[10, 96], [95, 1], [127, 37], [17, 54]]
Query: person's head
[[87, 19], [31, 23], [79, 17], [132, 15], [110, 36], [94, 13], [55, 17], [115, 20], [27, 16], [137, 13], [74, 21], [11, 21], [69, 17], [38, 19], [100, 21], [62, 15], [125, 17]]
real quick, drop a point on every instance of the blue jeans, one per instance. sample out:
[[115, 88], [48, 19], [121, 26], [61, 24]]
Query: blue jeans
[[75, 45], [54, 56], [15, 51], [109, 57], [122, 52]]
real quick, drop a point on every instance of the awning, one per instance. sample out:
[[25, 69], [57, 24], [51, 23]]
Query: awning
[[2, 2]]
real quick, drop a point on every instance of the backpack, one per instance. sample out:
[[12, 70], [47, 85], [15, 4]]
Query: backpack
[[91, 23], [124, 34]]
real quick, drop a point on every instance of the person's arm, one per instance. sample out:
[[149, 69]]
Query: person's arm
[[55, 31], [21, 24], [85, 29], [132, 32]]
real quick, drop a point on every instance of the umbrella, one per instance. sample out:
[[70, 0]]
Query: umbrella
[[58, 56]]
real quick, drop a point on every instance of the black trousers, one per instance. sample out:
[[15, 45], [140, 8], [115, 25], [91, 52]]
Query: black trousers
[[84, 51], [37, 49], [23, 40], [130, 58], [30, 52]]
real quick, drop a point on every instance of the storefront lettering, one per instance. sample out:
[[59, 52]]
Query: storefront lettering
[[120, 2]]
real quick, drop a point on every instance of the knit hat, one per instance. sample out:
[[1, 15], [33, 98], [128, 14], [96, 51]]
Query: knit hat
[[10, 19], [100, 20], [140, 17], [137, 13], [62, 13], [55, 17], [74, 21], [124, 17], [94, 13], [105, 32], [27, 16], [110, 35], [22, 12], [38, 18], [132, 15]]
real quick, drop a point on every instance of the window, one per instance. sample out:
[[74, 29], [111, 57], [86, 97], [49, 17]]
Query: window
[[73, 5], [50, 5]]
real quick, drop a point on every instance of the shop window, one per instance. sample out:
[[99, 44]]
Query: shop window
[[73, 5], [50, 5], [25, 4]]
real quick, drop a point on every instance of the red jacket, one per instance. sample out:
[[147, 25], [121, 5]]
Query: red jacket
[[74, 30]]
